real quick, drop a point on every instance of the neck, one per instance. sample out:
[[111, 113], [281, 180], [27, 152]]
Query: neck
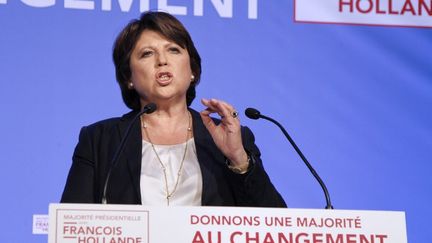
[[168, 108], [167, 125], [168, 114]]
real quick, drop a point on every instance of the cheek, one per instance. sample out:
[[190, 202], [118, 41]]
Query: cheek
[[141, 73], [185, 74], [186, 68]]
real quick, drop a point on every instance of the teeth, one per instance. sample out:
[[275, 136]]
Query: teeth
[[164, 77]]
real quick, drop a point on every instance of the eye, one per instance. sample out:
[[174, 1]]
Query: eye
[[174, 50], [146, 53]]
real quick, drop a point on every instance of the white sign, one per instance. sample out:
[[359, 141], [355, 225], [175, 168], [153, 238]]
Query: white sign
[[95, 223], [40, 224], [410, 13], [75, 223]]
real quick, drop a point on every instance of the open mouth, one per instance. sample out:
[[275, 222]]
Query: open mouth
[[164, 78]]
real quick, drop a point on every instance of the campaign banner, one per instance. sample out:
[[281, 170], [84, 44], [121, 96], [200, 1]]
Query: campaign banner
[[408, 13], [95, 223]]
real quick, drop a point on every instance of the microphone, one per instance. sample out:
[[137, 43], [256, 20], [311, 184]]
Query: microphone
[[255, 114], [149, 108]]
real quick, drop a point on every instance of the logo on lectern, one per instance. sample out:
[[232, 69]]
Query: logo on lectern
[[102, 226]]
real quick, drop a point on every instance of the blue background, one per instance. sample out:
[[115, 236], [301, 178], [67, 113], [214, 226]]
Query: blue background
[[356, 99]]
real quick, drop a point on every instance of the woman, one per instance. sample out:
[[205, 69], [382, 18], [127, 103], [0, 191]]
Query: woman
[[175, 155]]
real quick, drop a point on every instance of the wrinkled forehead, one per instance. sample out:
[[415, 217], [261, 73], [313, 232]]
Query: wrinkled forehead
[[152, 38], [169, 32]]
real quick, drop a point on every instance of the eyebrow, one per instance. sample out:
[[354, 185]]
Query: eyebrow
[[153, 46]]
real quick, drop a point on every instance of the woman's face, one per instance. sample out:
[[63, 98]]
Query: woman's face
[[160, 69]]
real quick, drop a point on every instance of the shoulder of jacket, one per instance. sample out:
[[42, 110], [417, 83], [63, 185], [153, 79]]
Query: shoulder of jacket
[[110, 123]]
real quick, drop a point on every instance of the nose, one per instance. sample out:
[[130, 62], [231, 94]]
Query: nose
[[162, 60]]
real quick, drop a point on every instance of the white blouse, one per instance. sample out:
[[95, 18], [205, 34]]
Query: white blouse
[[152, 182]]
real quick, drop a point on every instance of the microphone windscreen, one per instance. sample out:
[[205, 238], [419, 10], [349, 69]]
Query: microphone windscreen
[[252, 113], [149, 108]]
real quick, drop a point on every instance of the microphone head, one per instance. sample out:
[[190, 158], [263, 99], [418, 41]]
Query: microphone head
[[252, 113], [149, 108]]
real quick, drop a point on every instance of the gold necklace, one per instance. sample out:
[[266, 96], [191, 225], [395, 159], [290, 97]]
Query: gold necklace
[[169, 194]]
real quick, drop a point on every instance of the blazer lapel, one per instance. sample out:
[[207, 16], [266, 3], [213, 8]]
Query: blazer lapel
[[132, 150], [209, 157]]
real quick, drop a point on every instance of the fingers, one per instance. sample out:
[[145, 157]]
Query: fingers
[[208, 122], [223, 109], [227, 134]]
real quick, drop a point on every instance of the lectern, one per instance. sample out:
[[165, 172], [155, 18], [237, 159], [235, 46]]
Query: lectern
[[97, 223]]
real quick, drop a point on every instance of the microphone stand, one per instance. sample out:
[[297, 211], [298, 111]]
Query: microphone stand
[[149, 108], [255, 114]]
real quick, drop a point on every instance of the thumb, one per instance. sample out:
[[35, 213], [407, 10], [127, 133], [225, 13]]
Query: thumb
[[208, 121]]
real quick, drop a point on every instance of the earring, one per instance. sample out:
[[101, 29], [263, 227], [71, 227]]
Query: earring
[[130, 85], [192, 78]]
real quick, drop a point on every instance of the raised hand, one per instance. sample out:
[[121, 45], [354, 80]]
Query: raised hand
[[227, 134]]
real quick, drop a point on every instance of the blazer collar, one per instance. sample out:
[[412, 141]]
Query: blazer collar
[[132, 149]]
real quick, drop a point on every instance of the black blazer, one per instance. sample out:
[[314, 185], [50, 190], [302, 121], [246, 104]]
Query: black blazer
[[221, 187]]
